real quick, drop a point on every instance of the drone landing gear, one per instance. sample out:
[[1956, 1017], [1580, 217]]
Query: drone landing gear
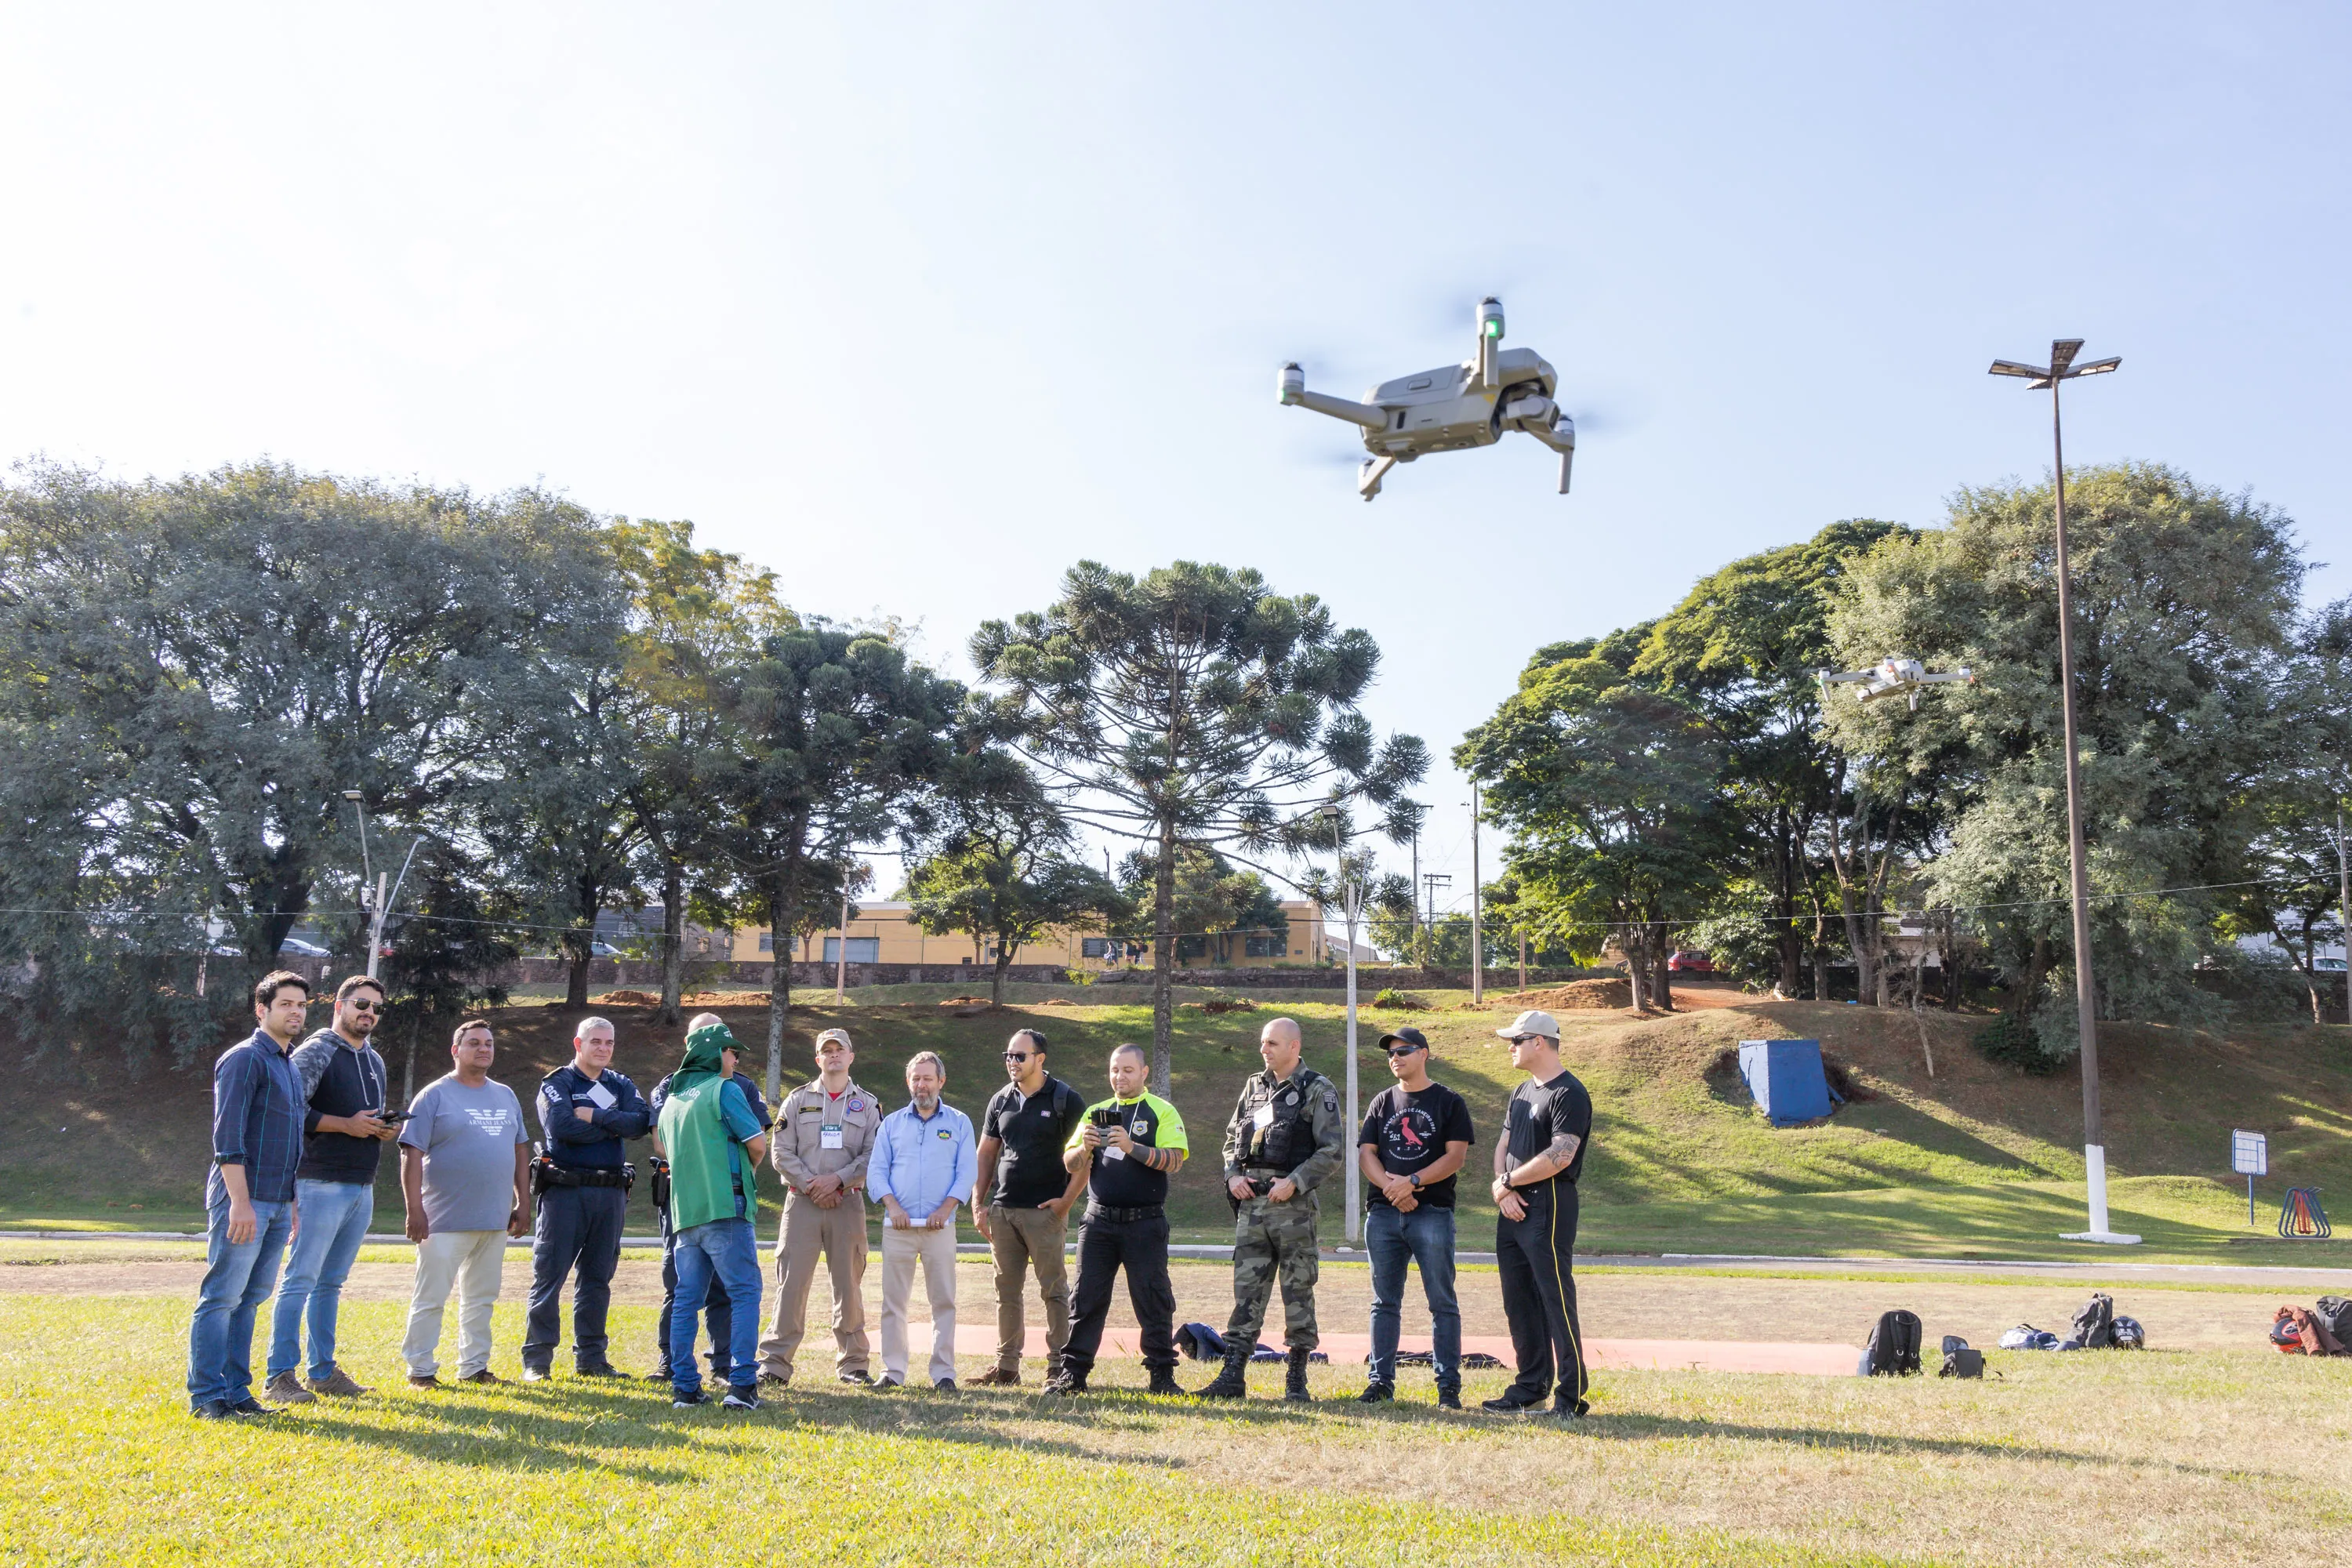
[[1370, 475]]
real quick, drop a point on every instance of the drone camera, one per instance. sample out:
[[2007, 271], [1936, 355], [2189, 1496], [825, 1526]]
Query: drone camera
[[1293, 383]]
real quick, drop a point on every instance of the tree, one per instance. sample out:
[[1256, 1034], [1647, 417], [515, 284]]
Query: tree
[[1006, 877], [195, 670], [834, 736], [443, 953], [1193, 707], [1612, 795], [1215, 901], [2188, 701], [692, 613]]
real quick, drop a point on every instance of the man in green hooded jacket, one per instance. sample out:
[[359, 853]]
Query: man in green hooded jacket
[[714, 1144]]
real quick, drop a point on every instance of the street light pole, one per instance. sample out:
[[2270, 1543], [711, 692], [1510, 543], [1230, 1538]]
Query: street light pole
[[2062, 368], [1477, 932], [1351, 903]]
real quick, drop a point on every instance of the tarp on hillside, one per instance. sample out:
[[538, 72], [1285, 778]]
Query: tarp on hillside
[[1785, 1079]]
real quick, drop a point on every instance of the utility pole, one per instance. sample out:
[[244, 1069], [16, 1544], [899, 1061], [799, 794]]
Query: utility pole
[[2062, 368], [841, 958], [1477, 932], [1523, 961], [1351, 905], [2344, 908], [1416, 882]]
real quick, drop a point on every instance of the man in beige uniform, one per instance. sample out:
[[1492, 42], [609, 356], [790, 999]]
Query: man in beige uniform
[[824, 1133]]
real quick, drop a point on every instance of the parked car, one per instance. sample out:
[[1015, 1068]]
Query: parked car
[[300, 948], [1689, 961]]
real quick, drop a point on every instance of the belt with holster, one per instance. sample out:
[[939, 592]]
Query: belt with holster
[[660, 1187], [546, 1173], [1105, 1213]]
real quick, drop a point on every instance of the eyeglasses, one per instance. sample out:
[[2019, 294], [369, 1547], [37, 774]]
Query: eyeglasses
[[1019, 1056], [1402, 1050], [356, 1005]]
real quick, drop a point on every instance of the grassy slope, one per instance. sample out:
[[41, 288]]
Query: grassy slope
[[1977, 1159]]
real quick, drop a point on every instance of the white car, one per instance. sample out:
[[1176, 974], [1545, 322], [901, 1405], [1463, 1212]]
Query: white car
[[300, 948]]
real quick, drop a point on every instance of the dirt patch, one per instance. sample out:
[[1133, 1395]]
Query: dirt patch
[[1576, 997], [1222, 1005], [632, 998]]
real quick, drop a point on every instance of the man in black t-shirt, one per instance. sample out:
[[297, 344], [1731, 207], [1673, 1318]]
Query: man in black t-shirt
[[1025, 1197], [1536, 1162], [1414, 1137]]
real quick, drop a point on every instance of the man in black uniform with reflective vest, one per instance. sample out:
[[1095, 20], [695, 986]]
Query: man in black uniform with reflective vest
[[587, 1112], [1536, 1162]]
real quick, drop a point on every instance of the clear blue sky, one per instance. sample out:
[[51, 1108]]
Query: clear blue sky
[[919, 304]]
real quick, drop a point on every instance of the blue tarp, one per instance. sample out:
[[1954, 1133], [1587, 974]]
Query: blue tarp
[[1785, 1079]]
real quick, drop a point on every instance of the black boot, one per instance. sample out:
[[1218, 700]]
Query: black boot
[[1163, 1380], [1294, 1388], [1230, 1383]]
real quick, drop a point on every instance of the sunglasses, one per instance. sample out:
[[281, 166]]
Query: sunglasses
[[1402, 1050], [1018, 1056], [356, 1005]]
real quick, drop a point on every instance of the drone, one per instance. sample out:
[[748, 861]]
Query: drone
[[1451, 408], [1894, 677]]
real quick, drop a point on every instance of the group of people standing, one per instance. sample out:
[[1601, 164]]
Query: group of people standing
[[297, 1130]]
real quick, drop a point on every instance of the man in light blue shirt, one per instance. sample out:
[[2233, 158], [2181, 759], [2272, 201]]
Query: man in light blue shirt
[[924, 1162]]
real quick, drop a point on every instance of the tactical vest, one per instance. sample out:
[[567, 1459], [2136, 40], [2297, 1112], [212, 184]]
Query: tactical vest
[[1288, 1141]]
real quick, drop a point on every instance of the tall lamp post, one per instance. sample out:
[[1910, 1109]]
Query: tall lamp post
[[383, 896], [2062, 368], [1351, 889]]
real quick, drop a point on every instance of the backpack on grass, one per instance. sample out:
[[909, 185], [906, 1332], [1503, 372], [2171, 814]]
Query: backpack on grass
[[2335, 1314], [1959, 1360], [2095, 1325], [1893, 1350]]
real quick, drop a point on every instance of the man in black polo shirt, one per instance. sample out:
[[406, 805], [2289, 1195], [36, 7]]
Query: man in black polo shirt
[[1127, 1147], [1536, 1162], [1023, 1209], [1414, 1137]]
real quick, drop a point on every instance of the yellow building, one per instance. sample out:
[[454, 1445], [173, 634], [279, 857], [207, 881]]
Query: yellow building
[[881, 934]]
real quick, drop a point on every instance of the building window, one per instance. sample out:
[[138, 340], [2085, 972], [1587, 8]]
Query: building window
[[1094, 947], [1266, 946], [862, 950], [766, 941]]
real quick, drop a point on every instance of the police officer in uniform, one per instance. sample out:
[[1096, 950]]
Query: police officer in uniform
[[1536, 1162], [719, 1310], [824, 1136], [587, 1112], [1284, 1141]]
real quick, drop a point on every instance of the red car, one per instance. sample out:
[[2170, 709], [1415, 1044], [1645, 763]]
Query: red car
[[1689, 961]]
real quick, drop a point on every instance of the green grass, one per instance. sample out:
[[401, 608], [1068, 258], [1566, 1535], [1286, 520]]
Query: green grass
[[2149, 1458]]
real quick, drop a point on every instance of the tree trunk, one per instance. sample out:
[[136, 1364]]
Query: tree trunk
[[1662, 953], [1866, 968], [1636, 970], [1164, 961], [784, 908], [673, 942], [1004, 962], [584, 954], [1820, 972], [408, 1073]]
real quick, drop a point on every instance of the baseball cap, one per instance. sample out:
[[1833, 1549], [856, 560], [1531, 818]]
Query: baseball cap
[[841, 1034], [1409, 1034], [1532, 1022]]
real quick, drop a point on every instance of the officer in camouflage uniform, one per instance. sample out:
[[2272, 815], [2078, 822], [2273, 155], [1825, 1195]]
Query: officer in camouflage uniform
[[1284, 1141]]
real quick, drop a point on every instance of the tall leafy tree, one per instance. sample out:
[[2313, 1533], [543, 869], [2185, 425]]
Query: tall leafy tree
[[1006, 876], [2188, 703], [1194, 707], [1215, 901], [835, 737]]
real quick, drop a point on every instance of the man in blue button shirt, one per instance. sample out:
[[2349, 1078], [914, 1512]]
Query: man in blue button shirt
[[258, 1108], [587, 1111], [925, 1160]]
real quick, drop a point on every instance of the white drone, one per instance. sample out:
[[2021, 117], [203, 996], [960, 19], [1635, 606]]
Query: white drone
[[1451, 408], [1894, 677]]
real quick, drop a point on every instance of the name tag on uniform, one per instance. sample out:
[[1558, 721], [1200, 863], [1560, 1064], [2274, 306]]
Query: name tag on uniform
[[829, 1135], [605, 1098], [1265, 1115], [1113, 1152]]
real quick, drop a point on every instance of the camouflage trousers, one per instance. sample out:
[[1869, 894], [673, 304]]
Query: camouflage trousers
[[1273, 1241]]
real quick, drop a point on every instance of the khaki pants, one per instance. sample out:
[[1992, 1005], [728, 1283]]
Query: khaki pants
[[472, 1260], [1028, 1239], [839, 1235], [936, 1251]]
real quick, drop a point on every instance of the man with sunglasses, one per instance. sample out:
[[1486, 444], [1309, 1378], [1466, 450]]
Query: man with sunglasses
[[344, 1134], [1025, 1197], [1415, 1136], [1536, 1162]]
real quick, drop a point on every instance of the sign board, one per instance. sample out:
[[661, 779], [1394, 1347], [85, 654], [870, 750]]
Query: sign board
[[2250, 1154]]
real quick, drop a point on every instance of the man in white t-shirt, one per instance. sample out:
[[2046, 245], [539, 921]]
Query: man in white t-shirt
[[465, 1162]]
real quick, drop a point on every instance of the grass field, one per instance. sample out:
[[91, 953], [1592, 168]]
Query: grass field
[[2229, 1457], [1973, 1161]]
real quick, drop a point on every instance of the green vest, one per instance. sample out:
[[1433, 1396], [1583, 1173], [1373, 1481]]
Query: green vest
[[701, 1170]]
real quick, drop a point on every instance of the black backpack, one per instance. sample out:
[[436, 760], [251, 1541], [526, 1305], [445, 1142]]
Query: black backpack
[[2336, 1313], [1959, 1361], [1894, 1347], [2095, 1325]]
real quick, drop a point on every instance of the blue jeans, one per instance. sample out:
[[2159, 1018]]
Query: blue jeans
[[1424, 1236], [335, 1216], [237, 1279], [723, 1248]]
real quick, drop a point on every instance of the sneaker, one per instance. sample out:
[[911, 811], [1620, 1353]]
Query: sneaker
[[887, 1381], [210, 1410], [1569, 1410], [998, 1377], [249, 1405], [1066, 1384], [1448, 1400], [337, 1385], [536, 1374], [1507, 1405], [859, 1377], [485, 1375], [285, 1388], [681, 1401], [658, 1374], [739, 1399], [770, 1380], [1375, 1392], [423, 1379], [602, 1369], [944, 1385]]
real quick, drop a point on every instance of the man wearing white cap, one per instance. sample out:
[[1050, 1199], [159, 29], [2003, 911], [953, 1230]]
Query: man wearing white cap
[[1536, 1162], [824, 1136]]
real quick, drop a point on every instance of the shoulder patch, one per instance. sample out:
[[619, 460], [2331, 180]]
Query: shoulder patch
[[1332, 1103]]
